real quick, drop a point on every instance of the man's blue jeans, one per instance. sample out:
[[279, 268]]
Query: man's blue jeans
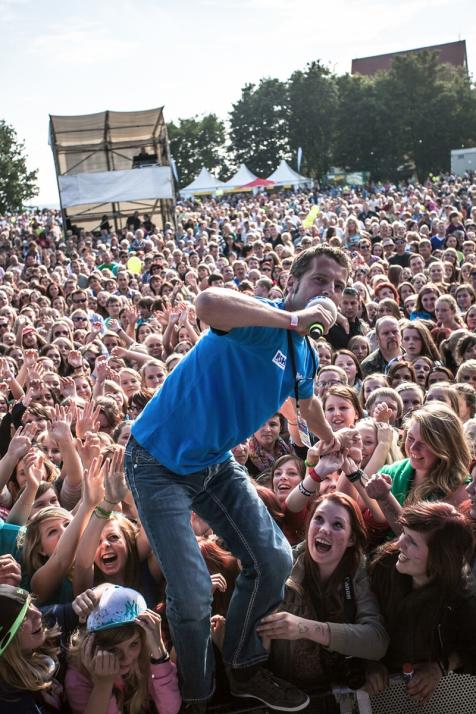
[[226, 499]]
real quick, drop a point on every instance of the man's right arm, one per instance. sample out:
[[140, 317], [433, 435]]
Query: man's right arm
[[225, 309]]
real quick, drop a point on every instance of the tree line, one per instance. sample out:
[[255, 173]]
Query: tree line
[[395, 124]]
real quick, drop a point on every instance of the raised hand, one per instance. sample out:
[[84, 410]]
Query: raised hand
[[119, 352], [384, 434], [21, 441], [60, 425], [330, 463], [93, 483], [6, 373], [151, 622], [29, 358], [114, 479], [113, 325], [100, 368], [90, 449], [87, 420], [10, 571], [382, 413], [132, 315], [75, 359], [379, 486], [34, 472], [85, 603], [218, 582], [68, 387]]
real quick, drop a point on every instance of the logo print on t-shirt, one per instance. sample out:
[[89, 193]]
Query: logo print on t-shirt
[[280, 360]]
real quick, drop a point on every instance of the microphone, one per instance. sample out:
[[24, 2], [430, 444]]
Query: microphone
[[317, 330]]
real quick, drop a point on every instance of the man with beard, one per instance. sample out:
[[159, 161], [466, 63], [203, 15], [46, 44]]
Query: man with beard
[[389, 348]]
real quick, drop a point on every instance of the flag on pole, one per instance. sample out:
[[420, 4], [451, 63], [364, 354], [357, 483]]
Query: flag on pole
[[308, 222], [299, 158], [174, 169]]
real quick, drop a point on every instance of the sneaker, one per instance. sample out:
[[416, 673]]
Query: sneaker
[[272, 691]]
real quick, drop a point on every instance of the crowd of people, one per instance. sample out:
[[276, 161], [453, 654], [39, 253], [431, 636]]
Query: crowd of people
[[104, 331]]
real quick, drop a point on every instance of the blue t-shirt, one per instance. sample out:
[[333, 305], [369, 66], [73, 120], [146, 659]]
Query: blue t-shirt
[[225, 388], [8, 539]]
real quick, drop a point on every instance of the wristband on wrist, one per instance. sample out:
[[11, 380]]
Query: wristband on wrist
[[292, 423], [112, 503], [102, 513], [293, 321], [356, 476], [311, 471], [165, 658], [305, 491]]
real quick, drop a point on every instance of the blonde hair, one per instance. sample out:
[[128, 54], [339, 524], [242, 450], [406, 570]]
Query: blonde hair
[[468, 366], [31, 541], [442, 431], [394, 453], [34, 671], [135, 697]]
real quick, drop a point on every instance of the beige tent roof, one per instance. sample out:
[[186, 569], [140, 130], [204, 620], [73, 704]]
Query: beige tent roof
[[107, 141], [88, 147]]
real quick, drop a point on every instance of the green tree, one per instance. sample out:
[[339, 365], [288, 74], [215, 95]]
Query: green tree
[[197, 142], [17, 184], [436, 110], [312, 104], [259, 129], [367, 127]]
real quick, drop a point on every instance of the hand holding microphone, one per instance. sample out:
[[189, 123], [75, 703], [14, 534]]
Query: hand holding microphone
[[316, 318], [323, 321]]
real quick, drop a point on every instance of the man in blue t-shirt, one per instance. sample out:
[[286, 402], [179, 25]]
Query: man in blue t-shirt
[[252, 359]]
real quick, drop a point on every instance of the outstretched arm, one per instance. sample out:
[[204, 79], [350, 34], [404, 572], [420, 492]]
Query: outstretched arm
[[45, 581], [225, 309]]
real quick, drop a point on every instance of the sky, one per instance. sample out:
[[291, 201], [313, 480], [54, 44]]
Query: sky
[[190, 56]]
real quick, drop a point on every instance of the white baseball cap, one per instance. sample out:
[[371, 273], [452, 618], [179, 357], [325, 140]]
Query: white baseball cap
[[117, 606]]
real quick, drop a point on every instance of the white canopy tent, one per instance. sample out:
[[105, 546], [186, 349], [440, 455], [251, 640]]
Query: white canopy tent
[[204, 183], [241, 178], [113, 164], [286, 176]]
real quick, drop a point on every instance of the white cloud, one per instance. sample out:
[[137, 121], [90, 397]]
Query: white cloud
[[85, 43]]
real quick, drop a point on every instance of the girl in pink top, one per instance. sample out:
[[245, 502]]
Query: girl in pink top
[[119, 663]]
